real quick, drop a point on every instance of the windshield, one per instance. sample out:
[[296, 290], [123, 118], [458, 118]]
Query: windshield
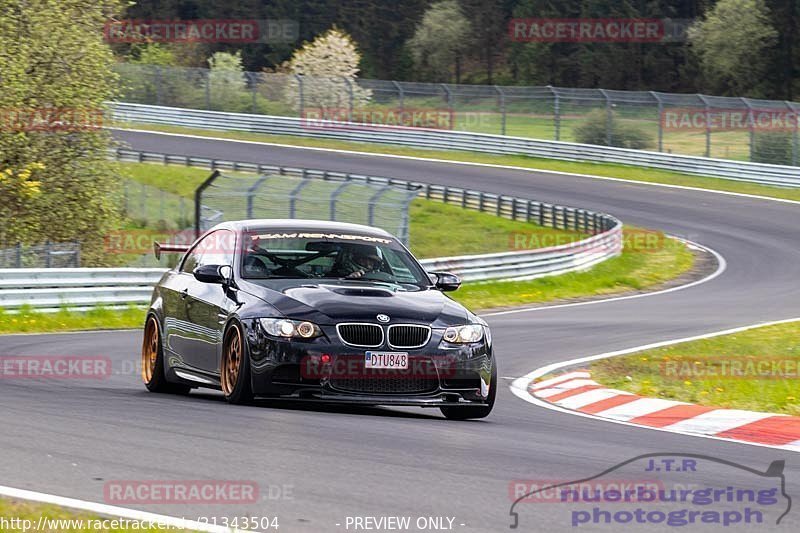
[[309, 255]]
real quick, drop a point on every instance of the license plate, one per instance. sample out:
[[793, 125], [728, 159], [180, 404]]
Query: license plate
[[386, 360]]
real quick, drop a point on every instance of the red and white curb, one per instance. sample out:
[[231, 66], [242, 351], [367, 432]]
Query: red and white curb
[[575, 392]]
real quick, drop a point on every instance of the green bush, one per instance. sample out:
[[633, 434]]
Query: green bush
[[773, 147], [594, 128]]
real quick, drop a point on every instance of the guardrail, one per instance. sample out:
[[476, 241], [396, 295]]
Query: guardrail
[[53, 288], [785, 176]]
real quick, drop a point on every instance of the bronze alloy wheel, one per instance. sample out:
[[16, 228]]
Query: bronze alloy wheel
[[149, 350], [231, 361]]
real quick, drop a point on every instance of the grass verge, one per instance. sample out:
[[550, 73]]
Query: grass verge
[[634, 270], [28, 320], [598, 169], [24, 516], [755, 370]]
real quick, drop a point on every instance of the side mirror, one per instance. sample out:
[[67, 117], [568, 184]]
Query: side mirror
[[213, 273], [446, 282]]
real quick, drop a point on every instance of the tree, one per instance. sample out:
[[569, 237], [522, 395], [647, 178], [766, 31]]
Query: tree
[[731, 42], [329, 67], [441, 39], [489, 18], [227, 85], [55, 75]]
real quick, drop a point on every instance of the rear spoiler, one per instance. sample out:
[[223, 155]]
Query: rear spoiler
[[159, 248]]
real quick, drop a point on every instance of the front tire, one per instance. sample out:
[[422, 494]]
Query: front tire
[[234, 368], [153, 362], [481, 411]]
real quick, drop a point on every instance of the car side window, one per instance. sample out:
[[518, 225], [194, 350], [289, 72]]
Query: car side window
[[216, 248]]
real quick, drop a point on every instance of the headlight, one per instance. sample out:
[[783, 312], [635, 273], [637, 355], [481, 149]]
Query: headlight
[[463, 334], [281, 327]]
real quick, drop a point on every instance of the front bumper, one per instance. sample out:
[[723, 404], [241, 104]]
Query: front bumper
[[439, 374]]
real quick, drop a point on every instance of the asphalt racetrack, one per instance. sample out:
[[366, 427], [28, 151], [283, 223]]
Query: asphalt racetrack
[[318, 465]]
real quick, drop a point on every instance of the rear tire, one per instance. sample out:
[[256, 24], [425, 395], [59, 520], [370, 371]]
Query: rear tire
[[481, 411], [153, 362], [234, 368]]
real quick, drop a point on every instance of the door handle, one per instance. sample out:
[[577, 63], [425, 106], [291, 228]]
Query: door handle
[[184, 294]]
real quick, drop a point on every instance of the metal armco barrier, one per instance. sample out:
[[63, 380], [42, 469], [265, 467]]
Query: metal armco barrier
[[785, 176], [52, 288]]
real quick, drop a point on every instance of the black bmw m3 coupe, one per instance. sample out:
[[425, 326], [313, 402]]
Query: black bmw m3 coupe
[[315, 310]]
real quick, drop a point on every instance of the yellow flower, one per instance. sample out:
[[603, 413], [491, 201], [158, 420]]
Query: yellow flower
[[790, 397], [719, 389], [703, 392], [687, 382]]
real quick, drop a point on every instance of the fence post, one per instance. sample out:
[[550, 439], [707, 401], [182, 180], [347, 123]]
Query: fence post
[[794, 136], [609, 117], [198, 197], [253, 86], [19, 255], [750, 126], [251, 192], [708, 124], [556, 112], [660, 120], [502, 109], [77, 254], [207, 89], [158, 85], [301, 94], [295, 192], [335, 198], [47, 254], [372, 201], [350, 99], [400, 95], [449, 97]]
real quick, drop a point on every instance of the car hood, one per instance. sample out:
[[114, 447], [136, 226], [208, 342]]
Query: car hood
[[332, 302]]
